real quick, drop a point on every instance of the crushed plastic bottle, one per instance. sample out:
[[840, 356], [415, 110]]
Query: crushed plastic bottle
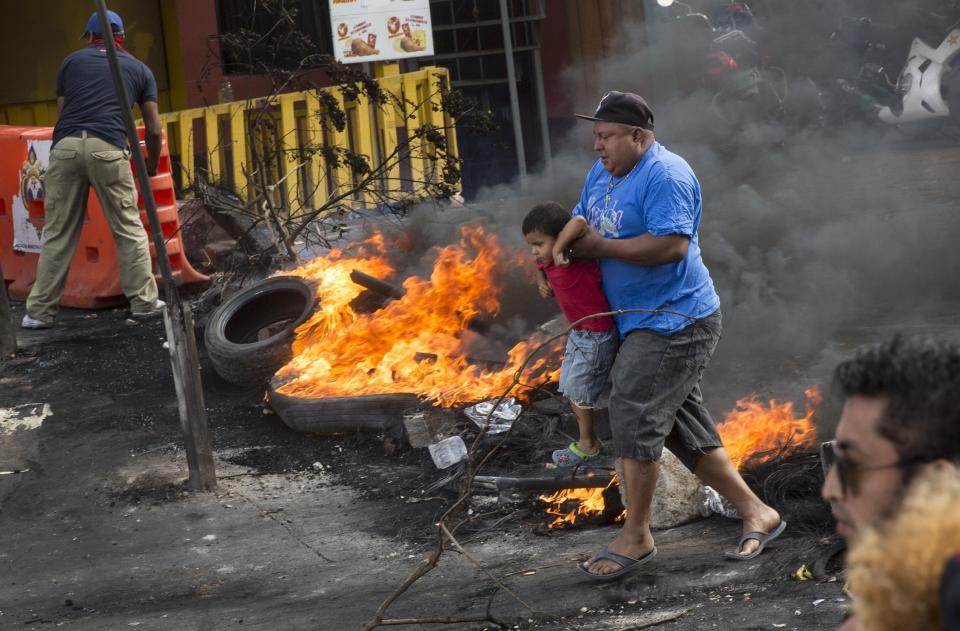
[[501, 419], [448, 452], [715, 503]]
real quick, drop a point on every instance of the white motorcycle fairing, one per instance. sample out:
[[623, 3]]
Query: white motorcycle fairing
[[925, 68]]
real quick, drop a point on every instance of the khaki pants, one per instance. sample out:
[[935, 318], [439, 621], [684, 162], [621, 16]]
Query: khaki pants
[[76, 163]]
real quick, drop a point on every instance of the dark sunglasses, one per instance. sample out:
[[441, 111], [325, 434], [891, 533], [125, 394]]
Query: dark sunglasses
[[848, 471]]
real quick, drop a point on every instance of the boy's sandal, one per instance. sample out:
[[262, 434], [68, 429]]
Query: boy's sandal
[[572, 456]]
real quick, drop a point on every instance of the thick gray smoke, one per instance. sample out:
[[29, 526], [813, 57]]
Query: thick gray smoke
[[817, 236]]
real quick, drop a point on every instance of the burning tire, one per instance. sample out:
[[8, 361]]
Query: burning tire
[[249, 336], [337, 415]]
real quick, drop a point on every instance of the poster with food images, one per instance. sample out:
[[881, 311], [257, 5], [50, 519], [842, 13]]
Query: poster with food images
[[380, 30]]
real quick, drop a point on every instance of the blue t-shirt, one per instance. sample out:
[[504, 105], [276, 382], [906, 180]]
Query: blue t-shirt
[[89, 98], [661, 195]]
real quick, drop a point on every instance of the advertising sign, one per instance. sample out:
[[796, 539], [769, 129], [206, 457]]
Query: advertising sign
[[380, 30]]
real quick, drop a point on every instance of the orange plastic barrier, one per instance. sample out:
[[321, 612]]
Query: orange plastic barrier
[[93, 280]]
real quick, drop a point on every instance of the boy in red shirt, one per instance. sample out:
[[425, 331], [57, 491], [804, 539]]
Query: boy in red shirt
[[592, 344]]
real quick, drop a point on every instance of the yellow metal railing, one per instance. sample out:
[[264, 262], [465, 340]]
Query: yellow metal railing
[[215, 142]]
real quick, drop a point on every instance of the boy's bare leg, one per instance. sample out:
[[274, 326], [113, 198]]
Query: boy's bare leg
[[635, 539], [715, 469], [587, 440]]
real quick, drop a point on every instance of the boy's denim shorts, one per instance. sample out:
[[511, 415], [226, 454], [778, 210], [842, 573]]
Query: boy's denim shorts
[[586, 365]]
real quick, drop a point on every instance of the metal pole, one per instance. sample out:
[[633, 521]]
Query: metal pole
[[541, 96], [514, 98], [183, 356]]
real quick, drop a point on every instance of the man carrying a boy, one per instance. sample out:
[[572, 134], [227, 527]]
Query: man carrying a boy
[[642, 207]]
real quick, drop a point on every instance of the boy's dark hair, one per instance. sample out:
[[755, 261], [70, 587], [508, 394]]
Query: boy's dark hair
[[920, 381], [548, 218]]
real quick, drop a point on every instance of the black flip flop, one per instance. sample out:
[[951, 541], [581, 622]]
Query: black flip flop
[[628, 564], [762, 537]]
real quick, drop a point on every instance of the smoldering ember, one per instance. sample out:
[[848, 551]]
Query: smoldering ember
[[345, 411]]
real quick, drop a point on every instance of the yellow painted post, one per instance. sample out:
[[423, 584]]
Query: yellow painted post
[[343, 172], [431, 96], [185, 144], [453, 147], [363, 143], [388, 76], [439, 81], [318, 189], [387, 124], [289, 144], [413, 122], [383, 69], [238, 146], [211, 120]]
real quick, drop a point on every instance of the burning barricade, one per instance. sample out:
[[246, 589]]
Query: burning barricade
[[368, 352]]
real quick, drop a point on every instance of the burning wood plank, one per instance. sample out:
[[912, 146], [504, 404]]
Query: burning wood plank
[[377, 285]]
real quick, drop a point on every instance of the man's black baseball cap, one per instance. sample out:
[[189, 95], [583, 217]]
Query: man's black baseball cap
[[626, 108]]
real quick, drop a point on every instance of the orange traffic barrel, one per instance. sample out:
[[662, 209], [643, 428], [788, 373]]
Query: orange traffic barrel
[[94, 279]]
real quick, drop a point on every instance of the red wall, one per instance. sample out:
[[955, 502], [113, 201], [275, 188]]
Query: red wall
[[197, 22], [554, 58]]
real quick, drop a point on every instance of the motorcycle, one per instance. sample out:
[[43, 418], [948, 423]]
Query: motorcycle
[[927, 87], [718, 53], [929, 83]]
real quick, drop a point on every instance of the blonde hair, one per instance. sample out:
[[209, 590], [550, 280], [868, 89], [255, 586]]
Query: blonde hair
[[895, 569]]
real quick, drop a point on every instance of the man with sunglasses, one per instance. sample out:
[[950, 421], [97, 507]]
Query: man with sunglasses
[[901, 415]]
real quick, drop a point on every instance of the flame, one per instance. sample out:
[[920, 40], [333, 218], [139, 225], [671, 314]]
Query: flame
[[339, 352], [588, 502], [753, 432]]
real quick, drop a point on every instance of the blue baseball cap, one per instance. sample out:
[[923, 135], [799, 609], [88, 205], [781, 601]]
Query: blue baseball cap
[[93, 24]]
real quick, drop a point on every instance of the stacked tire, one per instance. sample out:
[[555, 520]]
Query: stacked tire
[[249, 337]]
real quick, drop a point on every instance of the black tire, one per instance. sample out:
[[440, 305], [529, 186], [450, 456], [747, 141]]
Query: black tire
[[249, 336], [339, 415]]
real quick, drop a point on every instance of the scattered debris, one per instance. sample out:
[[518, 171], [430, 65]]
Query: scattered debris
[[501, 418], [802, 574], [715, 503], [448, 452]]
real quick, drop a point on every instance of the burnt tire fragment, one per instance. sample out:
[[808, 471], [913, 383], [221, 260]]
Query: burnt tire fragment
[[249, 337], [342, 415]]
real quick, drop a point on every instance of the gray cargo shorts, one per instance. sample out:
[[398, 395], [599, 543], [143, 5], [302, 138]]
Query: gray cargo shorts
[[656, 398]]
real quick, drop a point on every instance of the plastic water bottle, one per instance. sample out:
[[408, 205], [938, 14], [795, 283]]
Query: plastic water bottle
[[448, 452]]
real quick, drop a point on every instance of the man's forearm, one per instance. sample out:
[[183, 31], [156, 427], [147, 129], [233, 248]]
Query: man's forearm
[[645, 250], [154, 142], [153, 137]]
